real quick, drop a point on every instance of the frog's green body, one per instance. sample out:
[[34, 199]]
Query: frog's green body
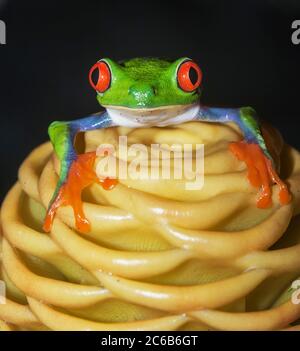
[[144, 92]]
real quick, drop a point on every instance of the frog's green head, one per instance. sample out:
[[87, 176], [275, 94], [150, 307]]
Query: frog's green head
[[146, 83]]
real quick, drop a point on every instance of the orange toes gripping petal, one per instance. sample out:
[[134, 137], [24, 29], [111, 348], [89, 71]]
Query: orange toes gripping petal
[[81, 175], [261, 173], [284, 194]]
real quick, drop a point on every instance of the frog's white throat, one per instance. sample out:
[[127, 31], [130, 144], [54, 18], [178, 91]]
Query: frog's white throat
[[159, 117]]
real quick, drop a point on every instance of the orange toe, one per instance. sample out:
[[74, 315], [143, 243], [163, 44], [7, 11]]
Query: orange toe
[[261, 173], [81, 175]]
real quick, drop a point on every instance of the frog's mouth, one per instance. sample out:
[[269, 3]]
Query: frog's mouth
[[147, 117]]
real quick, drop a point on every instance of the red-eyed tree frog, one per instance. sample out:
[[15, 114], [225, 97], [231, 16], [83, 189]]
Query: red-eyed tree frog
[[145, 92]]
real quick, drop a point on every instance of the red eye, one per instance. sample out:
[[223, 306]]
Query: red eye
[[189, 76], [100, 77]]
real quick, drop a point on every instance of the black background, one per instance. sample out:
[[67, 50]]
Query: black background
[[243, 47]]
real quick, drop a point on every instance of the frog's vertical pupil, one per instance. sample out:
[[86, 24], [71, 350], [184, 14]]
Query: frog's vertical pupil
[[95, 76], [193, 75]]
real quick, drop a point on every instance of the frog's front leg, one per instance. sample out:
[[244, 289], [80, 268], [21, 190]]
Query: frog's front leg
[[76, 171], [252, 150]]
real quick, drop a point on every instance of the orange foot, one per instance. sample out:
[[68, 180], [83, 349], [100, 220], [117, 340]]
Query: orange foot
[[81, 175], [261, 173]]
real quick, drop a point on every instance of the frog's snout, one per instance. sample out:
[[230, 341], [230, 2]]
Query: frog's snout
[[142, 93]]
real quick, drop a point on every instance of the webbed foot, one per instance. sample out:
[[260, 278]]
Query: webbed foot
[[261, 172], [81, 174]]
